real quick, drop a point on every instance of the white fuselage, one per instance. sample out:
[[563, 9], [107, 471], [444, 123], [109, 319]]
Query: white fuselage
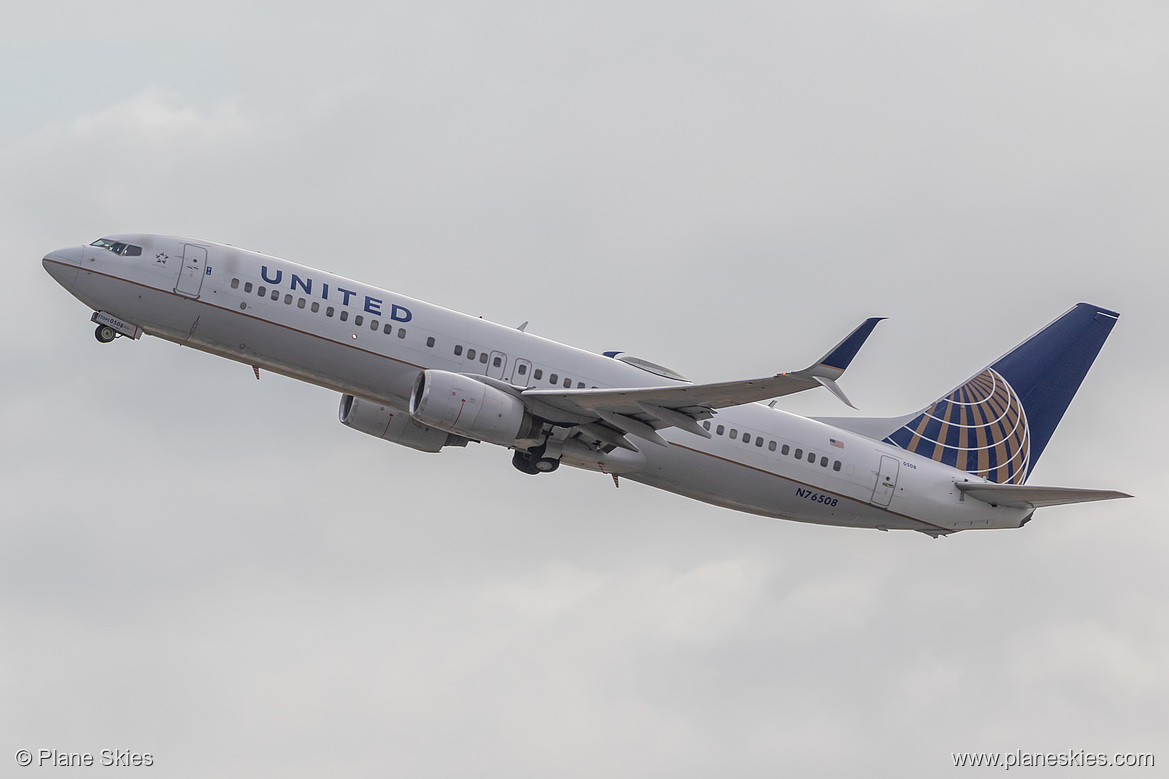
[[274, 314]]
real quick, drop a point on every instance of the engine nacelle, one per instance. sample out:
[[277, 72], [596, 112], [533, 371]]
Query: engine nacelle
[[470, 408], [394, 425]]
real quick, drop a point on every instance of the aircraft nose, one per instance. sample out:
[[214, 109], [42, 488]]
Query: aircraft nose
[[62, 264]]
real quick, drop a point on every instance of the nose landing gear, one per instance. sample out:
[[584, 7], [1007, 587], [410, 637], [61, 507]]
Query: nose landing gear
[[110, 327]]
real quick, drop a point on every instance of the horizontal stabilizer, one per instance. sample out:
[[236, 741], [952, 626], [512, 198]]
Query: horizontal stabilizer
[[1023, 496]]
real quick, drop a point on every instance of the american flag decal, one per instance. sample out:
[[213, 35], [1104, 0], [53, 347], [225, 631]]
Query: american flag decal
[[837, 444]]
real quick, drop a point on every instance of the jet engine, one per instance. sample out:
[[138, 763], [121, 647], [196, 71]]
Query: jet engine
[[394, 425], [470, 408]]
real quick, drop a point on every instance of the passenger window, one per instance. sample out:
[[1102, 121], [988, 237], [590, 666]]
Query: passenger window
[[300, 302], [719, 430], [759, 441], [275, 294], [497, 362], [390, 328], [315, 307], [357, 320], [235, 283], [522, 369], [823, 462], [401, 332], [261, 290], [329, 311], [344, 315], [539, 374], [483, 357], [812, 457], [470, 354], [373, 325], [580, 385], [287, 300], [836, 465], [247, 286], [771, 446], [785, 450], [553, 379], [429, 341], [734, 434], [458, 350], [799, 453], [746, 438], [567, 383], [706, 424]]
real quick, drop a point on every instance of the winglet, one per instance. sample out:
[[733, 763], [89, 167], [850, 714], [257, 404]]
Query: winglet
[[835, 389], [833, 364]]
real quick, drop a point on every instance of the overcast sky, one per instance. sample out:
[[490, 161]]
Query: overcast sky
[[211, 569]]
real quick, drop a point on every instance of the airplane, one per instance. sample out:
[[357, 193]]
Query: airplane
[[429, 378]]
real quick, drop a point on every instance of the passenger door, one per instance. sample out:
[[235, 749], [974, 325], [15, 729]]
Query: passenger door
[[886, 481], [191, 270]]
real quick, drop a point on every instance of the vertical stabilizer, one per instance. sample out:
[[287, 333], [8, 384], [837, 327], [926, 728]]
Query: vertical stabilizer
[[998, 423]]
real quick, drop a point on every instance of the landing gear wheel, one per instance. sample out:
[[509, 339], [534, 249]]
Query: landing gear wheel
[[105, 334], [523, 463]]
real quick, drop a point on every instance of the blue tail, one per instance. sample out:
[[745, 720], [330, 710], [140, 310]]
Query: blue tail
[[998, 423]]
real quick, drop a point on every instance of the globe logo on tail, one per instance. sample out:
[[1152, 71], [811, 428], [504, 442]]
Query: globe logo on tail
[[979, 428]]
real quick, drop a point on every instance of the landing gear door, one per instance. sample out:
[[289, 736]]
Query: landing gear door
[[191, 270], [886, 482]]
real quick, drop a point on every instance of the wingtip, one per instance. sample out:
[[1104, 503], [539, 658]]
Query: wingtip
[[843, 353]]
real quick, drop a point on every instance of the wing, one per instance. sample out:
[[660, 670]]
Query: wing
[[610, 414]]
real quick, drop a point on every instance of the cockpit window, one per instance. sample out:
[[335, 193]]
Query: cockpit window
[[119, 248]]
